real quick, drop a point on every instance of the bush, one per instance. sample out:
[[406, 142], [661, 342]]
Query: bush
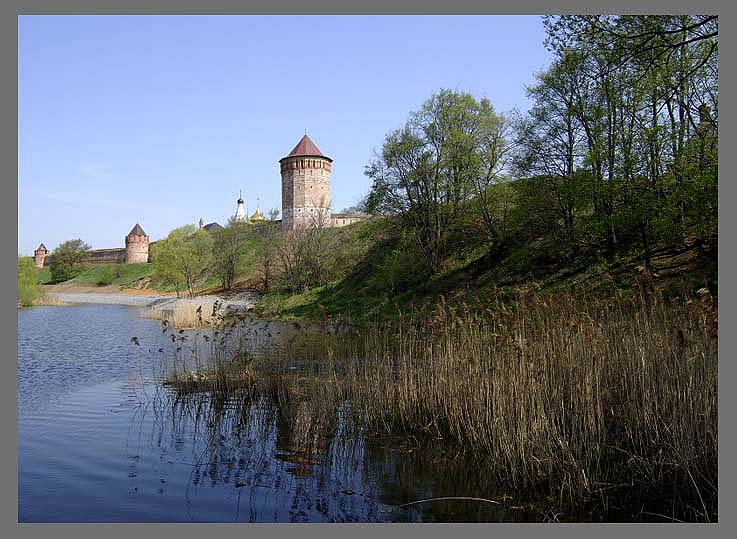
[[107, 275], [28, 289], [67, 260]]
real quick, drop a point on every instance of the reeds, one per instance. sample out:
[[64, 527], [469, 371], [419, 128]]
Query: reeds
[[612, 403], [596, 394], [49, 299], [190, 313]]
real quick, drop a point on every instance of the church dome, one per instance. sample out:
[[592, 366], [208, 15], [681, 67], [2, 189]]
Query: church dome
[[258, 216]]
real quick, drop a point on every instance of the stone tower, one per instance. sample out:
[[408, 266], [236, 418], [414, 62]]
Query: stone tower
[[305, 186], [136, 246], [39, 255]]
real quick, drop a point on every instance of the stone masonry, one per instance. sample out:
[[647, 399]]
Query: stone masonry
[[39, 256], [136, 246], [305, 184]]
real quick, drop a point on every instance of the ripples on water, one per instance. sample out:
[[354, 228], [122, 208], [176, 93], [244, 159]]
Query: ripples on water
[[100, 439]]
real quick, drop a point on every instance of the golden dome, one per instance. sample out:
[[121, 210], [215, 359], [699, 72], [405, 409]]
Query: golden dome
[[258, 216]]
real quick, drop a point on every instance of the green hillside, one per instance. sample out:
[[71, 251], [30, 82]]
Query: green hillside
[[122, 275]]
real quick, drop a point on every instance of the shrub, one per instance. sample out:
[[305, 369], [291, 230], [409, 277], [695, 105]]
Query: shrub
[[28, 289]]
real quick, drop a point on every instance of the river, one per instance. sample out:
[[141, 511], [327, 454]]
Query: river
[[102, 439]]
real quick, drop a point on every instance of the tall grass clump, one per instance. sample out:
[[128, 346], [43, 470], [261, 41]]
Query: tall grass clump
[[598, 397], [188, 313]]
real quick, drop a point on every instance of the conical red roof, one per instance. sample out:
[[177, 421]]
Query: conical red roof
[[306, 148], [137, 231]]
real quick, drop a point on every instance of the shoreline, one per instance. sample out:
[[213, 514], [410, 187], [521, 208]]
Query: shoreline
[[70, 295], [71, 298]]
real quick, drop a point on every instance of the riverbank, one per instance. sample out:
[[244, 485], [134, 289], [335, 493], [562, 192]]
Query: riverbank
[[181, 312], [57, 298]]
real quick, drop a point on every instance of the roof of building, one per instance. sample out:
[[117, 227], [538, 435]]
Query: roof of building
[[137, 231], [258, 215], [306, 148], [212, 226], [42, 247]]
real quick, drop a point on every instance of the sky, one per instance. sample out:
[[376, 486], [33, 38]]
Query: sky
[[161, 120]]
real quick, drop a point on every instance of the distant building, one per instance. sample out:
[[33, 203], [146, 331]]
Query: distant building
[[136, 246], [212, 227], [240, 211], [135, 251], [39, 256], [257, 216], [305, 185]]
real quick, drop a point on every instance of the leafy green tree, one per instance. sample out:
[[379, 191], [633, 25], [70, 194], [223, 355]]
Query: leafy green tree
[[68, 260], [229, 245], [28, 288], [448, 152], [626, 115], [267, 239], [183, 258]]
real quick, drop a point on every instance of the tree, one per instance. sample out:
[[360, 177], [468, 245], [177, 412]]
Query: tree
[[273, 214], [183, 258], [228, 248], [28, 289], [626, 116], [267, 238], [303, 254], [553, 144], [448, 152], [67, 260]]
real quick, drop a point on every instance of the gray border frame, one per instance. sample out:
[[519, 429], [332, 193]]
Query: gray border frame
[[9, 209]]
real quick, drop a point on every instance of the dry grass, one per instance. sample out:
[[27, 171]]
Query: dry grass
[[49, 299], [597, 394], [612, 403], [188, 313]]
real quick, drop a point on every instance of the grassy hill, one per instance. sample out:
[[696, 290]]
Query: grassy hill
[[376, 271], [122, 275], [382, 274]]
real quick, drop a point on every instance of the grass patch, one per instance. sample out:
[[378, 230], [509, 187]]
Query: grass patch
[[44, 275], [121, 275]]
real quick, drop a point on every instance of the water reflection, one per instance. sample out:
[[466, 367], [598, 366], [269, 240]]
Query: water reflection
[[119, 445], [289, 465]]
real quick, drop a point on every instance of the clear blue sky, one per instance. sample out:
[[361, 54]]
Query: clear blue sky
[[161, 120]]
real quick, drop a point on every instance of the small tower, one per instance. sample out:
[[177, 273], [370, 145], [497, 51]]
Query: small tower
[[240, 212], [39, 255], [202, 223], [136, 246], [305, 186]]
